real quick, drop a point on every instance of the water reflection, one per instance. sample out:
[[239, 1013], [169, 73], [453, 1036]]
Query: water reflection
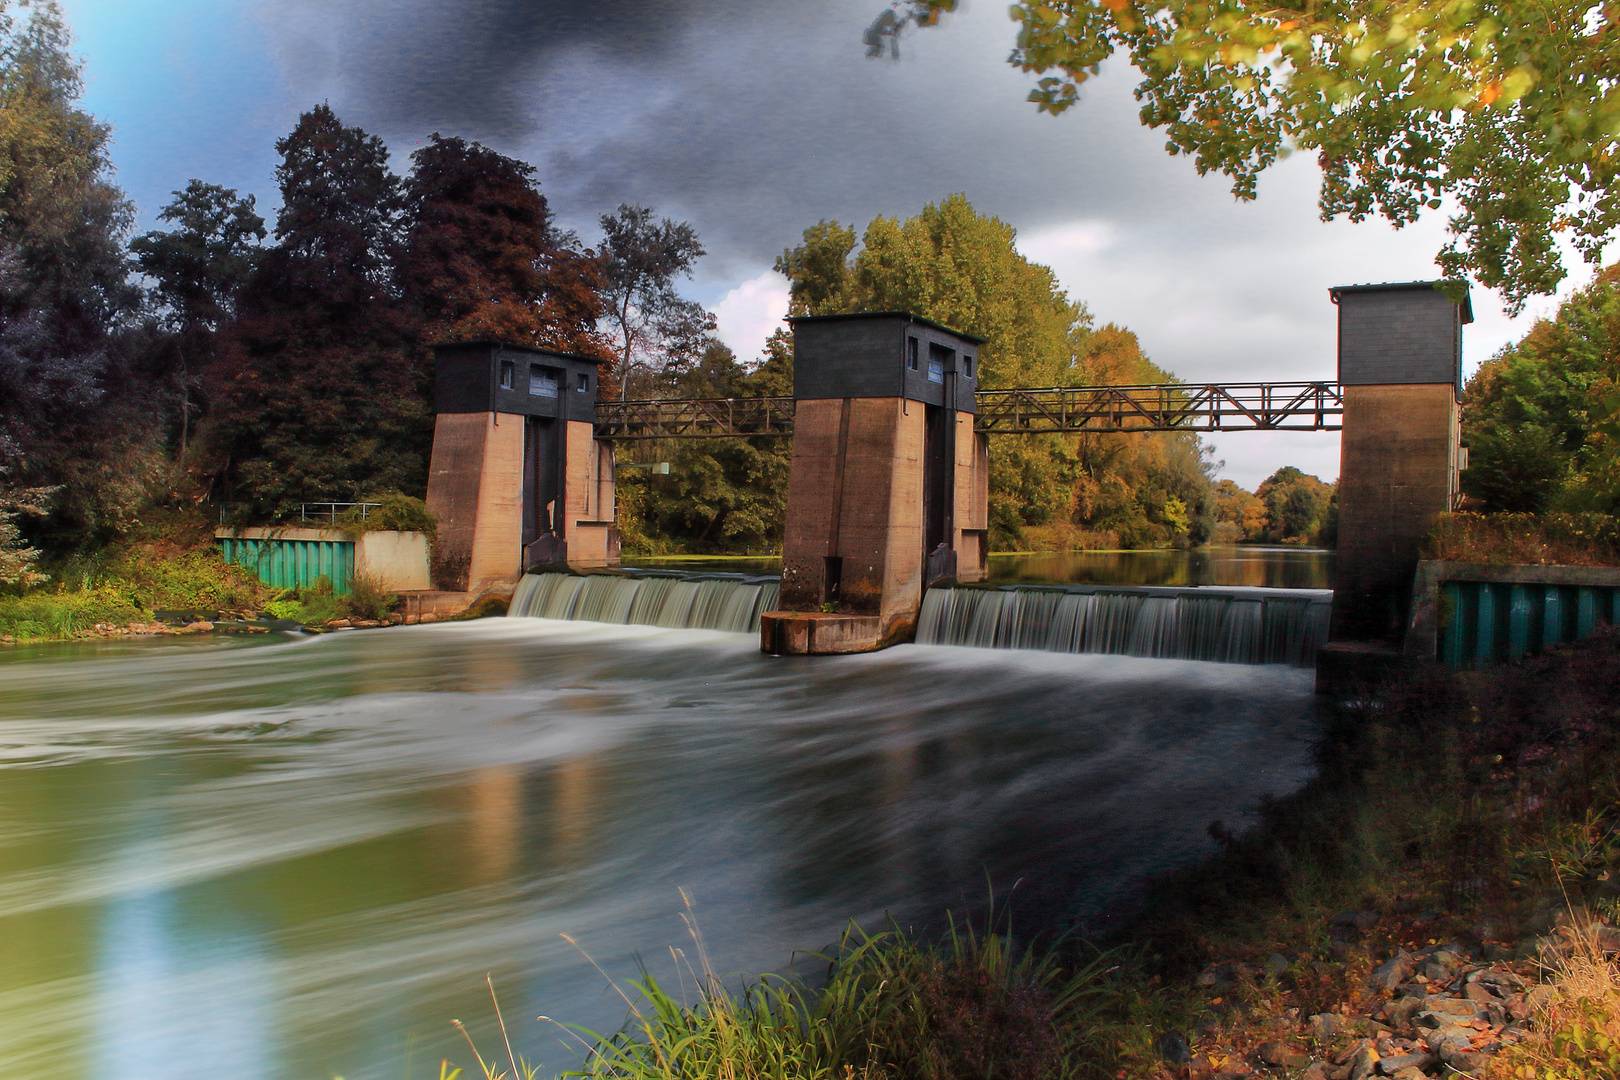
[[1250, 565], [302, 858]]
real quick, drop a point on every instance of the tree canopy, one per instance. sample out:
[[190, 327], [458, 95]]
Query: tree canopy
[[482, 258], [1537, 416], [958, 267], [652, 323], [1510, 108]]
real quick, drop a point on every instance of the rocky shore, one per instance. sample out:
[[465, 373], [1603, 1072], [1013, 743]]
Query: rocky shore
[[1413, 1007]]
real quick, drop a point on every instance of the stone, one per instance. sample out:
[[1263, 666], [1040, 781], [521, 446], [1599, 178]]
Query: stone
[[1172, 1047], [1324, 1026], [1316, 1070], [1401, 1011], [1277, 964], [1271, 1053], [1464, 1060], [1389, 1066], [1411, 1072], [1364, 1064], [1391, 973], [1480, 993]]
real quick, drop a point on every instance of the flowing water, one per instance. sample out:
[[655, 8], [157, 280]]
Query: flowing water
[[295, 857], [1233, 626]]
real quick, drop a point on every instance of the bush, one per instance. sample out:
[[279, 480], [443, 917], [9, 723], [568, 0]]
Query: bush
[[1526, 539], [368, 599], [396, 513]]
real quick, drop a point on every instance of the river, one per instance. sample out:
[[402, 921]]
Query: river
[[294, 857]]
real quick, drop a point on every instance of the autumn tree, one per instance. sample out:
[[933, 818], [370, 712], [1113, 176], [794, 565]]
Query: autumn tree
[[1299, 508], [320, 392], [483, 258], [962, 269], [1509, 108], [653, 326]]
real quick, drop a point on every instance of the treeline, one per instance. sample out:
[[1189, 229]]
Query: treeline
[[1289, 507], [219, 359], [227, 361]]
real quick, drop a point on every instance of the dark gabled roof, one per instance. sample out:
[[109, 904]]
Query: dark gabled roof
[[536, 349], [1406, 286], [794, 320]]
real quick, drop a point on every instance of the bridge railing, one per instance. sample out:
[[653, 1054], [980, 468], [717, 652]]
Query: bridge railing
[[1303, 406], [1311, 406]]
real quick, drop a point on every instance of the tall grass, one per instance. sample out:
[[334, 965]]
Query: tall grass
[[889, 1006], [1526, 539]]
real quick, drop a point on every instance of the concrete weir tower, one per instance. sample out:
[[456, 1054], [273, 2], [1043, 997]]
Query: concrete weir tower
[[888, 490], [517, 476], [1400, 363]]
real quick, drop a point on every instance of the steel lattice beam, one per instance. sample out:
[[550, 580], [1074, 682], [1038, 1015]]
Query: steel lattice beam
[[1308, 406]]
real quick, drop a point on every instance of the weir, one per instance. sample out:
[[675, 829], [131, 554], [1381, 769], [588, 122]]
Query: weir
[[1234, 626], [730, 602]]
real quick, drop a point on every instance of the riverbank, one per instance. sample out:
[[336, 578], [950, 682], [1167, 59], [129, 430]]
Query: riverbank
[[1439, 901]]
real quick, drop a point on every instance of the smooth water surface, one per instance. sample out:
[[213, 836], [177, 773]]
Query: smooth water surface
[[1253, 566], [299, 857]]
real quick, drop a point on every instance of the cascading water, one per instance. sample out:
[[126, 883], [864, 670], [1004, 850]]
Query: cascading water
[[730, 602], [1235, 626]]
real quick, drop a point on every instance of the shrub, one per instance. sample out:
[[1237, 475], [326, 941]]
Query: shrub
[[368, 599], [396, 513], [1526, 539]]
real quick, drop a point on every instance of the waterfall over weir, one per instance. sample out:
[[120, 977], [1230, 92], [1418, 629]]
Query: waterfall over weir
[[650, 598], [1235, 626]]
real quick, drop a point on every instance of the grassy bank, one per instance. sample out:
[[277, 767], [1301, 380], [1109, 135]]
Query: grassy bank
[[1459, 850]]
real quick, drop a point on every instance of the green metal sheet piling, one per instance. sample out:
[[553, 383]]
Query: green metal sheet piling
[[288, 564]]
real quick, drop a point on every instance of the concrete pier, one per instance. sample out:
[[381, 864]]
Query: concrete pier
[[517, 476], [1400, 363], [889, 484]]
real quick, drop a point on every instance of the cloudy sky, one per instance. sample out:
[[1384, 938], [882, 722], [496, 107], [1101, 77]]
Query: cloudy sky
[[754, 119]]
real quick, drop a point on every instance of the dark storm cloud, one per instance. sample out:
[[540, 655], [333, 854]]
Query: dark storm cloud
[[753, 120]]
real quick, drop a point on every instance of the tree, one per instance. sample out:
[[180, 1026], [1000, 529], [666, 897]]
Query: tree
[[721, 495], [953, 265], [1299, 507], [71, 416], [1537, 417], [482, 257], [199, 269], [320, 391], [1508, 107], [652, 324]]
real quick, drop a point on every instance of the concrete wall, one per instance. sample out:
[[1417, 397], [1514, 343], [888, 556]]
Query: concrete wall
[[1398, 470], [588, 498], [398, 561], [855, 492], [972, 539], [475, 489]]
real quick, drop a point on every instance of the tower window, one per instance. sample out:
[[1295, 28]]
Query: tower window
[[967, 366], [938, 358], [583, 384], [911, 353], [543, 381], [508, 374]]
